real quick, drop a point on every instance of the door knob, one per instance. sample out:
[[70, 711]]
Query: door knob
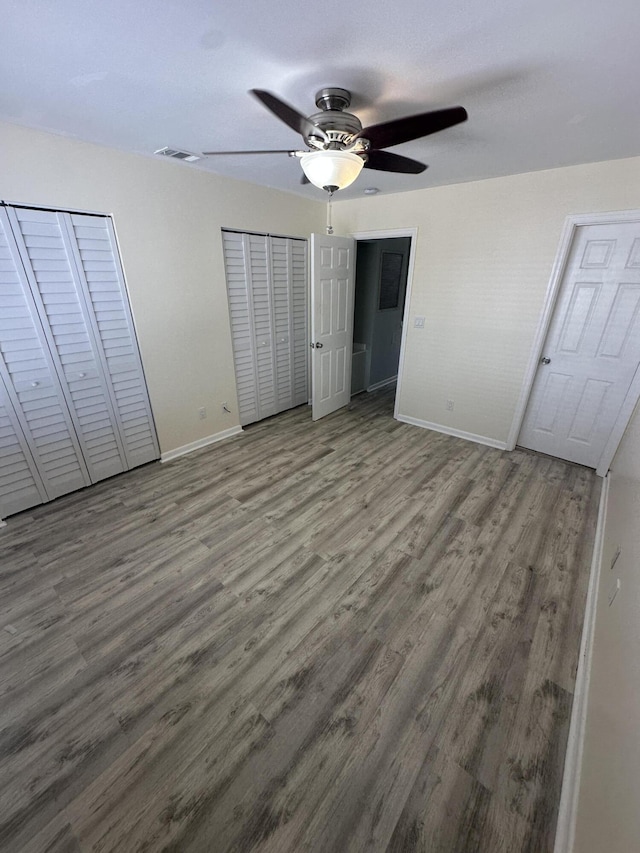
[[318, 345], [545, 360]]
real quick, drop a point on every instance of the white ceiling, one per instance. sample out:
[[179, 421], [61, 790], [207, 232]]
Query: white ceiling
[[546, 83]]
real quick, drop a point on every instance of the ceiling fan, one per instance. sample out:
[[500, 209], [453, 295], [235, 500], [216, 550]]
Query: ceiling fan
[[339, 147]]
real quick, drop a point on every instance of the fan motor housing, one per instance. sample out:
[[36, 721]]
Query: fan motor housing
[[340, 126]]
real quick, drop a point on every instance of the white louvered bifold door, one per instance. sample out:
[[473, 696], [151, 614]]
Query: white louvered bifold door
[[31, 383], [75, 402], [299, 310], [44, 244], [281, 262], [241, 326], [20, 483], [101, 277], [267, 290], [257, 268]]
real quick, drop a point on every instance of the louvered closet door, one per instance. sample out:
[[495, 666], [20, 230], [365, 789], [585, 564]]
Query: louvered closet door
[[30, 380], [241, 327], [102, 279], [289, 277], [281, 270], [257, 270], [248, 271], [267, 289], [44, 244], [299, 310], [20, 483]]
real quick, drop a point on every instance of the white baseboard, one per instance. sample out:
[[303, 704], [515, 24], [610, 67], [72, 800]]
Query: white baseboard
[[201, 442], [456, 433], [568, 809], [383, 383]]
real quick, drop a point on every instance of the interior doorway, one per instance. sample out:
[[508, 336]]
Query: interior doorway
[[382, 269], [583, 378]]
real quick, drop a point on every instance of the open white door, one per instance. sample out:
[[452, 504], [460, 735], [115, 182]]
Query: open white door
[[592, 351], [332, 301]]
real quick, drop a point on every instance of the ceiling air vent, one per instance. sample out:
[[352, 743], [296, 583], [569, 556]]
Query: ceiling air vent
[[177, 154]]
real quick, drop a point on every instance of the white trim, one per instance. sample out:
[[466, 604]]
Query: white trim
[[411, 232], [54, 208], [456, 433], [571, 224], [624, 416], [201, 442], [568, 809], [383, 383]]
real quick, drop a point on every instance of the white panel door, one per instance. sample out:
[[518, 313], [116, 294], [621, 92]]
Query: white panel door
[[45, 247], [592, 350], [332, 304], [30, 378]]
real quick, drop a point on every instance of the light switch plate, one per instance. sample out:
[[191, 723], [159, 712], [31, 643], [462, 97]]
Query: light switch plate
[[418, 322]]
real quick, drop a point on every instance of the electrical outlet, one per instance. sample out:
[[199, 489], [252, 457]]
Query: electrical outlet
[[202, 413], [449, 405]]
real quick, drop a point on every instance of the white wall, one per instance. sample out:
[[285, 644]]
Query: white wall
[[483, 258], [168, 217], [609, 804]]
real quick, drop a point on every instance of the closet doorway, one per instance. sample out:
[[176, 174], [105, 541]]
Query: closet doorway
[[267, 289]]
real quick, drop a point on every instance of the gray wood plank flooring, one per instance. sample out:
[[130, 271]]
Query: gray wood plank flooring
[[349, 635]]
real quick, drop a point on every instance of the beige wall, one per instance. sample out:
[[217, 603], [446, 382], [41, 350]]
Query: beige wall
[[609, 805], [484, 256], [168, 218]]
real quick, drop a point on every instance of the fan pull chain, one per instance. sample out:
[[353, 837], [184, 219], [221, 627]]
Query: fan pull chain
[[329, 225]]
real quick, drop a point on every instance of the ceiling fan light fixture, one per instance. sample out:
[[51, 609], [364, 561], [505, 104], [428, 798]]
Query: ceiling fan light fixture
[[335, 169]]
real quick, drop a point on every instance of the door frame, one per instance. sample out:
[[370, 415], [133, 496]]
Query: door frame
[[571, 224], [383, 235]]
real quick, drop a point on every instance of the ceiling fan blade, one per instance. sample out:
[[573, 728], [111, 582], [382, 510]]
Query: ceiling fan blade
[[258, 151], [412, 127], [385, 161], [289, 115]]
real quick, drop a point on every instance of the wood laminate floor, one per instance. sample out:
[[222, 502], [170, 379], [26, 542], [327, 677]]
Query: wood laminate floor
[[349, 635]]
